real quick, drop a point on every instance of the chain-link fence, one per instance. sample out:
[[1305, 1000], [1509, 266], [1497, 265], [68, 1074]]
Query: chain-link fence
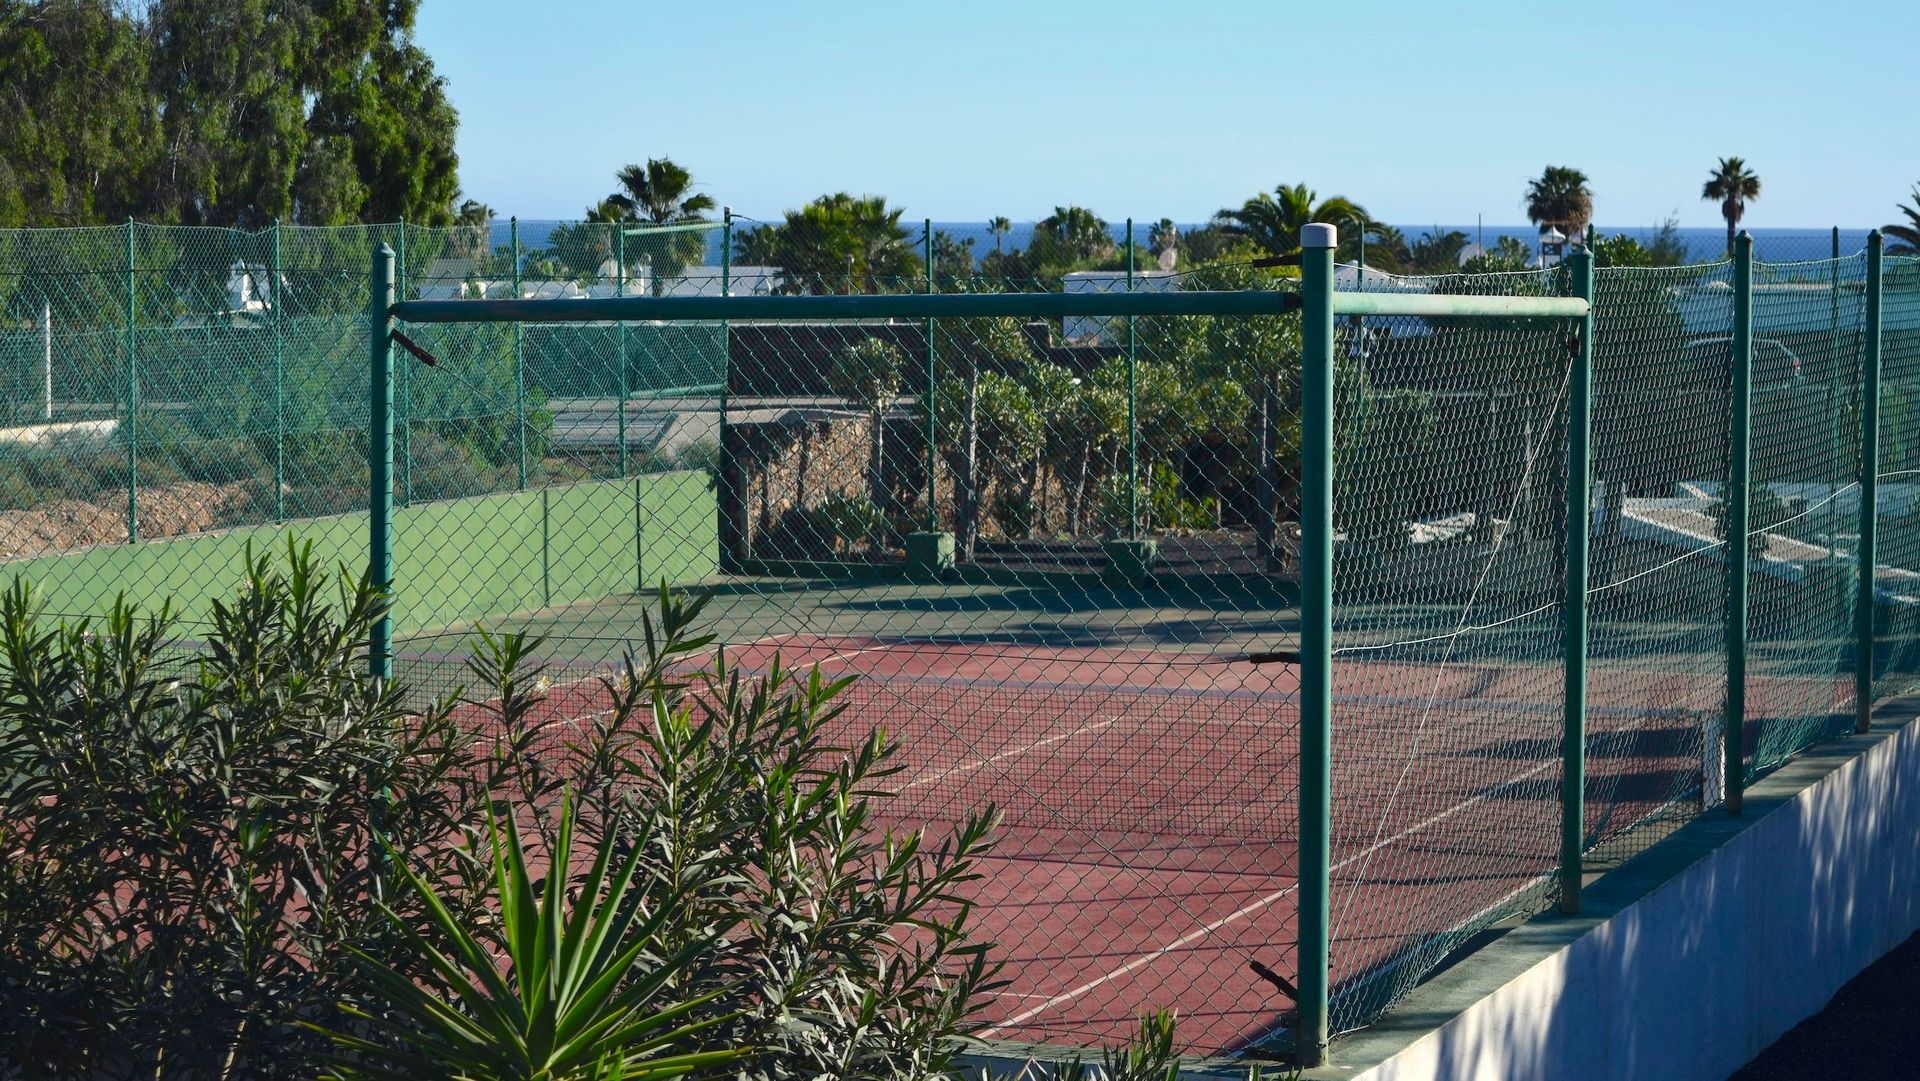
[[1062, 548]]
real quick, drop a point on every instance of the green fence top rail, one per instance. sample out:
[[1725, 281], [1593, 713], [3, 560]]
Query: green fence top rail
[[1444, 306], [1246, 302], [884, 306], [683, 227]]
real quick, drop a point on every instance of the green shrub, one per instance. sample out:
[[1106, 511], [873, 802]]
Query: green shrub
[[189, 838], [1162, 503], [217, 858], [702, 455], [1017, 513], [847, 518]]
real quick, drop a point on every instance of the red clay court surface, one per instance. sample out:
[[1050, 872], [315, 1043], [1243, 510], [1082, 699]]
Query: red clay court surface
[[1150, 800]]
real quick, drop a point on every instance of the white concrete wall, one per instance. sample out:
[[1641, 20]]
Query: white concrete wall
[[1706, 970]]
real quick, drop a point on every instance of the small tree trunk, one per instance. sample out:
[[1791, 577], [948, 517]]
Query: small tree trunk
[[876, 474], [967, 496], [1264, 494], [1077, 505]]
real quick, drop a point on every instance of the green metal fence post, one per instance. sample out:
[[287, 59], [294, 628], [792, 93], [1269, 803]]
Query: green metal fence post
[[1869, 489], [926, 243], [380, 300], [733, 518], [1316, 635], [403, 376], [1573, 740], [279, 381], [1133, 425], [620, 332], [519, 366], [1738, 505], [133, 397]]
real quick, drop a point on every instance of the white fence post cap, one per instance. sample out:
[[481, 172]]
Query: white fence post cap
[[1319, 235]]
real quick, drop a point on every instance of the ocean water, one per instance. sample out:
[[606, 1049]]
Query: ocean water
[[1703, 244]]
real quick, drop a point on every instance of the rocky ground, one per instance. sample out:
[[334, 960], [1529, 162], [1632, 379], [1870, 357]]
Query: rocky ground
[[168, 510]]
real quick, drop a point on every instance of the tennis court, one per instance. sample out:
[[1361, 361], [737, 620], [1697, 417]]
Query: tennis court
[[1148, 773]]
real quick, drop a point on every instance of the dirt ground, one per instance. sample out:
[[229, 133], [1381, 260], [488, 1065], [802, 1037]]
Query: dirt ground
[[168, 510]]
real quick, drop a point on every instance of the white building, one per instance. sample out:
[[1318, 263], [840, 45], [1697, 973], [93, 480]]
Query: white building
[[1082, 330]]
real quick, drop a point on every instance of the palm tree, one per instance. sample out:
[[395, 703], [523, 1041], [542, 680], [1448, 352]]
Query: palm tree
[[1438, 252], [473, 228], [606, 210], [1559, 197], [1071, 234], [999, 227], [1387, 248], [839, 243], [758, 245], [1733, 184], [1163, 235], [660, 193], [1273, 222], [1908, 234]]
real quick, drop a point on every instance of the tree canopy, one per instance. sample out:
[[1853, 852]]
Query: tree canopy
[[1906, 235], [220, 112], [1273, 222], [1560, 197], [1731, 184]]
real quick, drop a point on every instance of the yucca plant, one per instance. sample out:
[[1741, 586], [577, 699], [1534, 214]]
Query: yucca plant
[[587, 994], [837, 946]]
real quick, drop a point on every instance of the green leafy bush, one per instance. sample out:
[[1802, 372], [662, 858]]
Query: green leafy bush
[[190, 839], [847, 518], [794, 921], [220, 855]]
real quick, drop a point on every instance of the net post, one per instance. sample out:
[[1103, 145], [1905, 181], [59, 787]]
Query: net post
[[519, 366], [133, 397], [1573, 741], [1133, 422], [620, 335], [380, 457], [279, 380], [1869, 488], [933, 453], [1317, 242], [1738, 505]]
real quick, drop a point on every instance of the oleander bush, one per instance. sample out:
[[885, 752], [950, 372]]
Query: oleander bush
[[244, 857]]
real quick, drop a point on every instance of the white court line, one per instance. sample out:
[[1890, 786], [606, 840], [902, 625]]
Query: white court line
[[982, 763], [1247, 910]]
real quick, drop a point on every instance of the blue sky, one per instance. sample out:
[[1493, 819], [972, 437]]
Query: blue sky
[[1424, 112]]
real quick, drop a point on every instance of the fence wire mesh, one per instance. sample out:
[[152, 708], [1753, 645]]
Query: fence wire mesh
[[1062, 556], [1663, 391], [1897, 576], [1804, 503], [1447, 675]]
